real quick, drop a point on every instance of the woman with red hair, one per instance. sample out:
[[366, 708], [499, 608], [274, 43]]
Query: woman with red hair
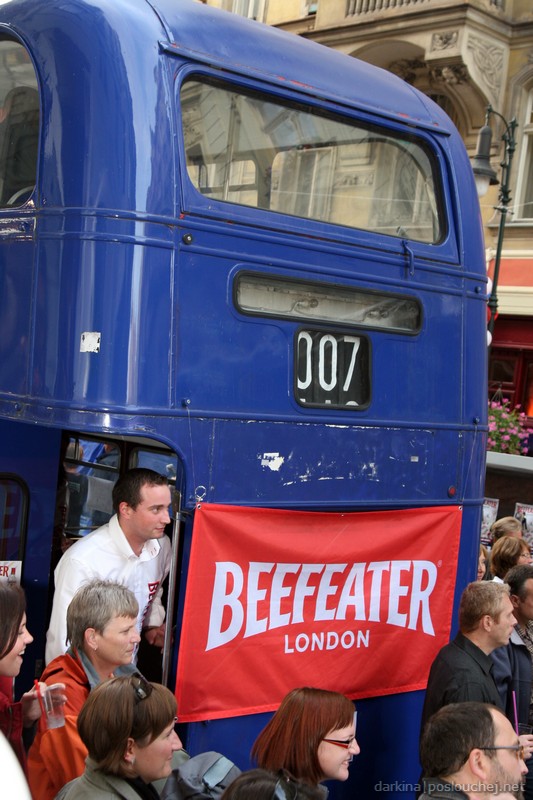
[[311, 736]]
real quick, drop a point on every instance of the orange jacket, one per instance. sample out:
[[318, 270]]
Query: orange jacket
[[58, 755]]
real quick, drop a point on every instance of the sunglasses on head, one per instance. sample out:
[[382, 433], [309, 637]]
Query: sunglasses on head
[[141, 687], [285, 788]]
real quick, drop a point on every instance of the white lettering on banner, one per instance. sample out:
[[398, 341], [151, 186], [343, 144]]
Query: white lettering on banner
[[255, 599], [327, 640]]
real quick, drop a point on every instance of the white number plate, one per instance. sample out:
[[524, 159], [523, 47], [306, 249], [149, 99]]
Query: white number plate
[[332, 369]]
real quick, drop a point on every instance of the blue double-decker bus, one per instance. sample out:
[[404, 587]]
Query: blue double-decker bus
[[250, 262]]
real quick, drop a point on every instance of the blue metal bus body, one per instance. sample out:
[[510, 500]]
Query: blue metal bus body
[[120, 314]]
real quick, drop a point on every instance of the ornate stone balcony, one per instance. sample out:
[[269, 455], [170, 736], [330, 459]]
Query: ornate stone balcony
[[361, 7]]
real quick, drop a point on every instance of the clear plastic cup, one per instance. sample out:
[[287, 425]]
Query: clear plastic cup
[[54, 705]]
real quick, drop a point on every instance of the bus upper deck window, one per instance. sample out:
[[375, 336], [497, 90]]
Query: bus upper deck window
[[249, 149], [19, 124]]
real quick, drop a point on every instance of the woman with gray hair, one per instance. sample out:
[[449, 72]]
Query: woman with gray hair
[[101, 629]]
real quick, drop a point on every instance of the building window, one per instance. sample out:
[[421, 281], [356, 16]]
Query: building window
[[524, 193], [252, 9], [528, 389], [511, 377]]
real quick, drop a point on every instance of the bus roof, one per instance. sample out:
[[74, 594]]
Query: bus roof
[[246, 47], [253, 47]]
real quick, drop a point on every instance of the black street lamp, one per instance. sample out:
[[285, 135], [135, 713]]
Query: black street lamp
[[485, 176]]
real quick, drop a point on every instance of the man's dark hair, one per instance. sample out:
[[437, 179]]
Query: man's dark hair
[[451, 734], [516, 579], [128, 487]]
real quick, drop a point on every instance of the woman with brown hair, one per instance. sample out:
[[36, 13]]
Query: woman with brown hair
[[15, 718], [259, 784], [127, 726], [482, 562], [508, 552], [311, 735]]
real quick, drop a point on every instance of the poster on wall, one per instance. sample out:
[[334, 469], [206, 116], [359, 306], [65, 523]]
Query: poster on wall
[[524, 513], [278, 599], [10, 571], [490, 514]]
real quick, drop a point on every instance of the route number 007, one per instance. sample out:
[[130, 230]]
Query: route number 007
[[332, 369]]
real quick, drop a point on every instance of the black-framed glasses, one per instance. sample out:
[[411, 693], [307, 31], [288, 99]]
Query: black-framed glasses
[[141, 687], [518, 748], [285, 788], [345, 743]]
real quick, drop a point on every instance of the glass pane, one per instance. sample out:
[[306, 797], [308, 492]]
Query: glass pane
[[269, 296], [525, 207], [249, 150], [254, 9], [502, 370], [527, 403], [164, 462], [92, 468], [19, 124], [12, 520]]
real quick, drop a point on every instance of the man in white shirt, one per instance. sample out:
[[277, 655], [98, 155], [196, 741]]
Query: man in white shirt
[[131, 549]]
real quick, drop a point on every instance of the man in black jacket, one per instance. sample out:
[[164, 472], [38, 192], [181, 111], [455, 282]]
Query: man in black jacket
[[462, 669]]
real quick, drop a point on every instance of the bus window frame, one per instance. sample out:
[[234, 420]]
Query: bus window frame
[[127, 460], [321, 321], [81, 462], [132, 462], [24, 514], [192, 201], [26, 195]]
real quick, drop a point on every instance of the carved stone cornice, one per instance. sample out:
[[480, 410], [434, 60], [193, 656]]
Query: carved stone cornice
[[488, 65], [444, 40], [451, 74], [408, 69]]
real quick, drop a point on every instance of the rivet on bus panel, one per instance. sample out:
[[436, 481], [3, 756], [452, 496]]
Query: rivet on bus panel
[[186, 238]]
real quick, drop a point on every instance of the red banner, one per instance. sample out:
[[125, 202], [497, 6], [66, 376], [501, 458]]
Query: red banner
[[359, 603]]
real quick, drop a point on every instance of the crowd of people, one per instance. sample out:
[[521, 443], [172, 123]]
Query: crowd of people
[[117, 737], [477, 720], [118, 734]]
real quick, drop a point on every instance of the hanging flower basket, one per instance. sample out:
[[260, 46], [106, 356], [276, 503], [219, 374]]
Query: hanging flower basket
[[506, 429]]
